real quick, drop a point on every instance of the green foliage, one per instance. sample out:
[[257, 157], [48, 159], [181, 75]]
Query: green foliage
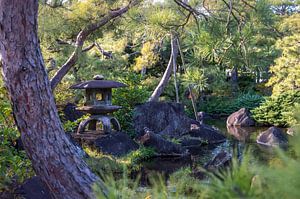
[[103, 164], [226, 105], [148, 57], [15, 167], [277, 110], [69, 126], [142, 154], [286, 70], [128, 98], [235, 182], [195, 79]]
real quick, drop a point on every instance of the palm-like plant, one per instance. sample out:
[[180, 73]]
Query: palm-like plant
[[195, 79]]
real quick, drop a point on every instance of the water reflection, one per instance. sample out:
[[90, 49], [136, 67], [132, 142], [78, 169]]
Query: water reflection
[[242, 134]]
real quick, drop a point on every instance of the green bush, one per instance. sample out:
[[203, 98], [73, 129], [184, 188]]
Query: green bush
[[227, 105], [128, 98], [278, 110], [15, 167]]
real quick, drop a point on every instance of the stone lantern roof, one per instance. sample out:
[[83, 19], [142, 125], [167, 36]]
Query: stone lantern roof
[[98, 82]]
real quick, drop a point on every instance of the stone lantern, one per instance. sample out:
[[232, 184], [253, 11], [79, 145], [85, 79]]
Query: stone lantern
[[98, 103]]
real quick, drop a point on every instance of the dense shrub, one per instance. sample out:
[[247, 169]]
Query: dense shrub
[[278, 110], [128, 98], [14, 165], [227, 105]]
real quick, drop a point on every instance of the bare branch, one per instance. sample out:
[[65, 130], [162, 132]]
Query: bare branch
[[190, 9], [107, 54], [88, 47]]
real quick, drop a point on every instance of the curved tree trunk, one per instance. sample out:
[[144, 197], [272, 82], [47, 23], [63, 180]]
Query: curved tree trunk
[[167, 74], [53, 157]]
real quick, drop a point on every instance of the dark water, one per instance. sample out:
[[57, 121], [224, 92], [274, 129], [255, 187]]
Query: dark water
[[239, 141]]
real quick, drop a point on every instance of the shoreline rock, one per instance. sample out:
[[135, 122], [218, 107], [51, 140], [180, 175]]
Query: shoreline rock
[[240, 118], [273, 136]]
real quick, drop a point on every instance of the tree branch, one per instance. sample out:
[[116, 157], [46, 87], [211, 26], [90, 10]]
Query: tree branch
[[81, 37], [190, 8], [107, 54], [88, 47]]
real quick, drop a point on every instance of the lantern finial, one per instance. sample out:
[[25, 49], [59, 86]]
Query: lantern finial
[[98, 77]]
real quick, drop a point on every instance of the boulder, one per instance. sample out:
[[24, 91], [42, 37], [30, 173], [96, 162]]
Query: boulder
[[167, 119], [117, 144], [161, 145], [33, 188], [220, 160], [207, 134], [273, 136], [240, 118]]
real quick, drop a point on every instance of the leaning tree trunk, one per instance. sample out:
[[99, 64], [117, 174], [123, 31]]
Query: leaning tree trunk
[[52, 155], [165, 79]]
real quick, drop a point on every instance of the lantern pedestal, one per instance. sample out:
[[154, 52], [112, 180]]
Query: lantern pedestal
[[106, 122]]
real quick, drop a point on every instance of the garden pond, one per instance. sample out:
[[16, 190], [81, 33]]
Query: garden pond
[[240, 140]]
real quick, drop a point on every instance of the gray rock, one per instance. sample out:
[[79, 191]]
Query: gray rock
[[161, 145], [272, 137], [117, 144], [240, 118], [207, 134], [221, 160], [167, 119]]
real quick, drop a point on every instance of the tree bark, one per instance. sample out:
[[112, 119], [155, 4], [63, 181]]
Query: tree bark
[[165, 79], [81, 37], [53, 156]]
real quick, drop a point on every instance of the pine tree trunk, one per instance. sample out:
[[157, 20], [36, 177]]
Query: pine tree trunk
[[53, 156]]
